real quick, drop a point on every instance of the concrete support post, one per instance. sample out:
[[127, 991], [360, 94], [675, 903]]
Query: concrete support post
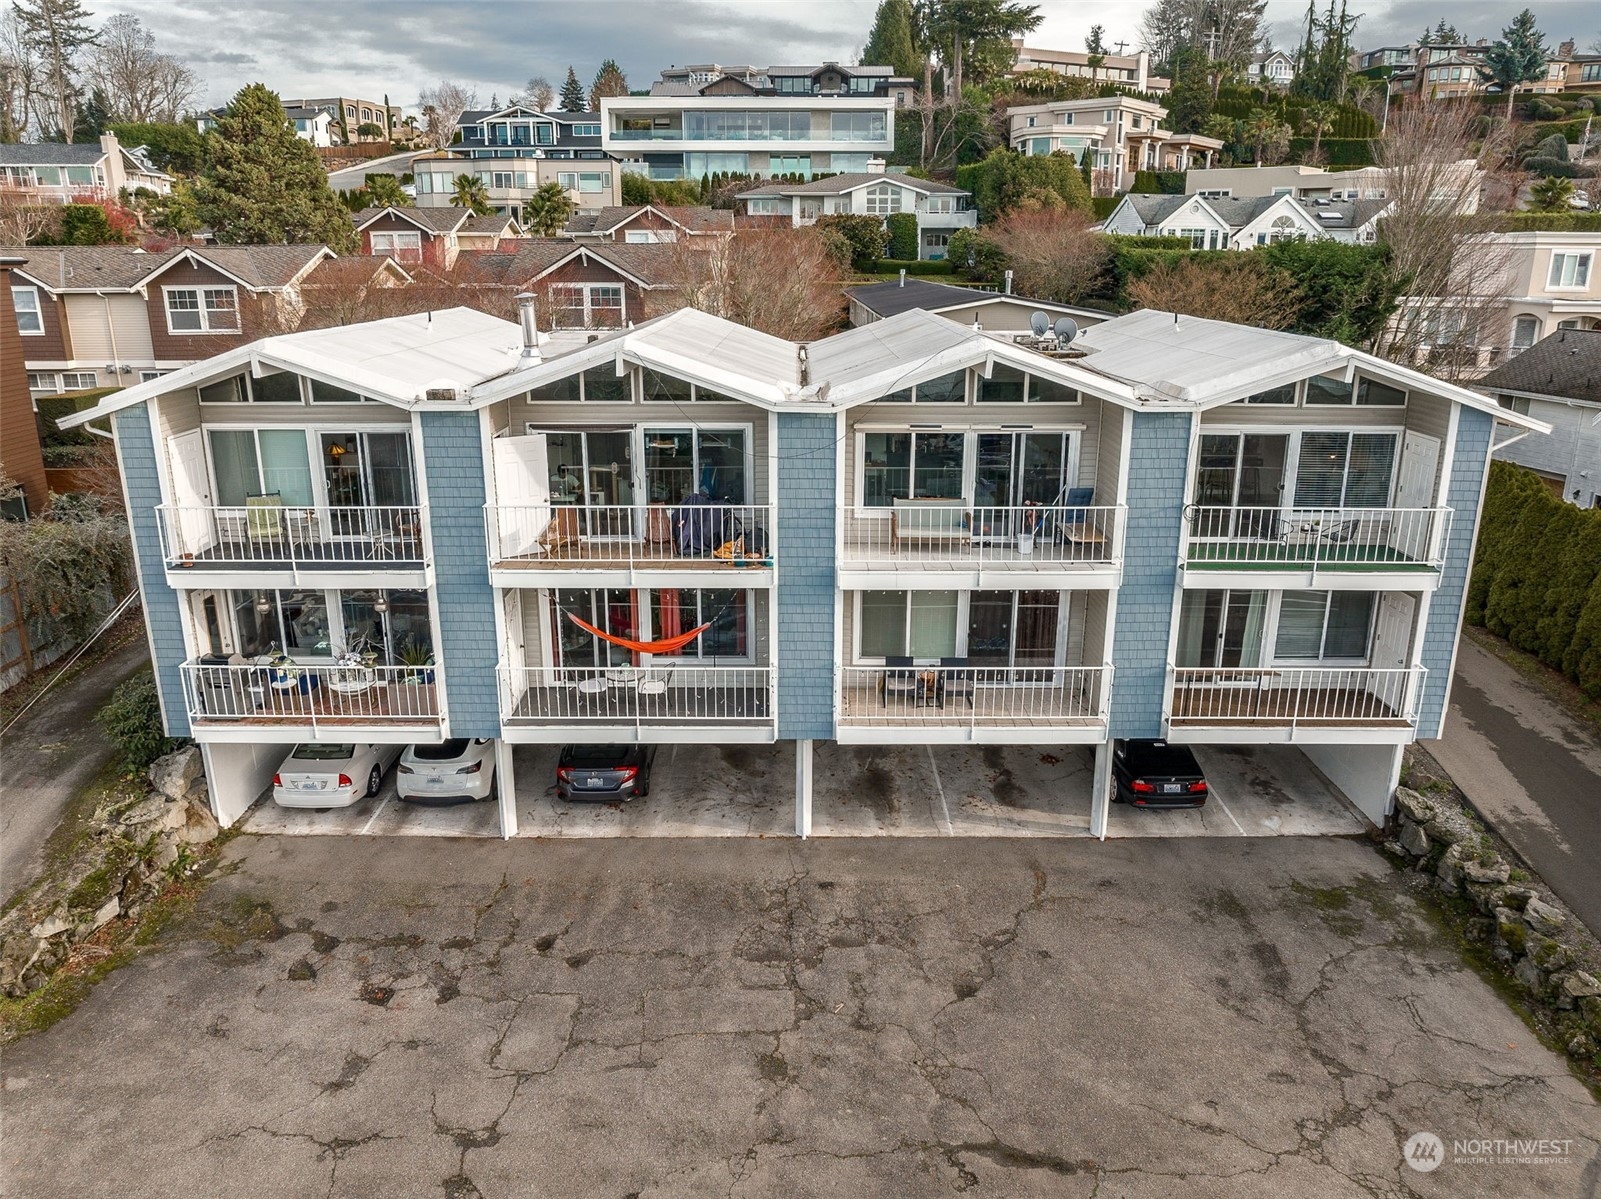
[[506, 789], [803, 788], [1101, 791]]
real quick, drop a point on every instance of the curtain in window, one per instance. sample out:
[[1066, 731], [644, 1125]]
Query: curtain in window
[[1320, 472], [233, 461], [933, 624], [1301, 615], [285, 465], [883, 631]]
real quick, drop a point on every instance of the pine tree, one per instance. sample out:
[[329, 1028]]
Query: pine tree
[[609, 81], [1519, 57], [572, 94], [891, 42], [263, 185]]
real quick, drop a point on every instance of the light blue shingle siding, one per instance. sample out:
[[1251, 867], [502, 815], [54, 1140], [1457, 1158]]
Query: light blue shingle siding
[[1158, 461], [453, 457], [136, 448], [804, 549], [1473, 433]]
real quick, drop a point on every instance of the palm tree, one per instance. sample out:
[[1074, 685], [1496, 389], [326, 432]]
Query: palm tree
[[384, 191], [547, 210], [1319, 118], [471, 192], [1551, 194], [1263, 129]]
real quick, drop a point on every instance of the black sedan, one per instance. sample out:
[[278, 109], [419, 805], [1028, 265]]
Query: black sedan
[[604, 772], [1154, 774]]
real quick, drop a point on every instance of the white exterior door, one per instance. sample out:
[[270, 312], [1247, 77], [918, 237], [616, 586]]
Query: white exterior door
[[191, 494], [1417, 535], [522, 493], [1392, 648]]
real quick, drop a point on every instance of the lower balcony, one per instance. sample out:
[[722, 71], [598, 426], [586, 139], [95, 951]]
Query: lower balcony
[[664, 700], [952, 703], [242, 701], [1276, 704]]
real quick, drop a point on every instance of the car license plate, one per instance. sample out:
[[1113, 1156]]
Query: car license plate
[[308, 786], [592, 781], [1172, 788]]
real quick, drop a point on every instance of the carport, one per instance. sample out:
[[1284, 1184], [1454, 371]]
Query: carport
[[1256, 791]]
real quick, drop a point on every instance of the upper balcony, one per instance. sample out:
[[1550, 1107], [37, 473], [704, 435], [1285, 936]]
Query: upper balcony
[[1278, 704], [686, 545], [950, 543], [1369, 549], [266, 542], [255, 701]]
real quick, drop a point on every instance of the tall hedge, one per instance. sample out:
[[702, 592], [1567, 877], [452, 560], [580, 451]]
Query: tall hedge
[[1006, 178], [1337, 151], [902, 235], [1537, 575]]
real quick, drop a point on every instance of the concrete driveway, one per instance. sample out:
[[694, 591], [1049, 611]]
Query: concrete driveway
[[1212, 1019], [384, 815]]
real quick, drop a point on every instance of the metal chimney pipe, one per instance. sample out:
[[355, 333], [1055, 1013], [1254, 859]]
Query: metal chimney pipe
[[1008, 282], [525, 317], [903, 276]]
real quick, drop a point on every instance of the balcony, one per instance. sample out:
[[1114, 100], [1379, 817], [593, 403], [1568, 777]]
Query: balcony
[[1273, 704], [1316, 546], [974, 704], [1070, 546], [241, 701], [299, 542], [659, 543], [677, 698]]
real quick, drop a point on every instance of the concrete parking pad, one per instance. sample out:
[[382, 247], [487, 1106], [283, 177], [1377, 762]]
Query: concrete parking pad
[[383, 815], [1256, 791], [1144, 1019]]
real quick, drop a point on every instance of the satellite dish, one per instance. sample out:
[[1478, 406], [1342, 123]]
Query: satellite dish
[[1066, 330], [1040, 323]]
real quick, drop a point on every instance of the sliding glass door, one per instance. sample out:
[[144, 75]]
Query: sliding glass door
[[1239, 484], [594, 469], [1221, 629]]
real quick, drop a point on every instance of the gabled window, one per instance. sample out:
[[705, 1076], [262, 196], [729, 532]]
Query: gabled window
[[883, 198], [403, 246], [30, 320], [202, 309], [587, 305]]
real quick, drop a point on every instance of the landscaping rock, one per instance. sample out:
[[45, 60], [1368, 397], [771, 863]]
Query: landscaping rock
[[1511, 931], [1516, 898], [1492, 870], [1579, 985], [175, 774], [1450, 826], [1581, 1047], [1547, 953], [1449, 869], [1529, 975], [1413, 806], [56, 923], [1543, 918], [106, 913], [201, 826], [1413, 839]]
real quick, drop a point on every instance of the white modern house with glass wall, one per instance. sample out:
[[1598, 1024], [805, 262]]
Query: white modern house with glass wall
[[774, 122], [689, 532]]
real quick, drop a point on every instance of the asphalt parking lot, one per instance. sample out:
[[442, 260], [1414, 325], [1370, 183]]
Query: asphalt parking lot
[[384, 815], [473, 1019]]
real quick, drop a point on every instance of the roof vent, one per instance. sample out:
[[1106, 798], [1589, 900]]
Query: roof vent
[[435, 395], [525, 317]]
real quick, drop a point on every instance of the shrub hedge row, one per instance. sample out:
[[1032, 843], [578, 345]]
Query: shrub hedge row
[[1159, 183], [912, 266], [1537, 575], [1548, 222], [1337, 151]]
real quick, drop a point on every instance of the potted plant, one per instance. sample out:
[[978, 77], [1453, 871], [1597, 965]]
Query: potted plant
[[420, 659]]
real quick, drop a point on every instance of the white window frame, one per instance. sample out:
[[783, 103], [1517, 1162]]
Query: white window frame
[[147, 376], [18, 291], [881, 199], [1270, 629], [586, 293], [78, 378], [44, 382], [1583, 262], [403, 245], [1075, 448], [964, 605], [639, 597], [202, 295], [1292, 456]]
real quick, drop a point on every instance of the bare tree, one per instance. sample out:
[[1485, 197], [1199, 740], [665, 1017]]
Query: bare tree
[[442, 106], [24, 216], [779, 280], [1242, 288], [141, 83], [1053, 254], [539, 93], [57, 31], [19, 79], [1453, 305]]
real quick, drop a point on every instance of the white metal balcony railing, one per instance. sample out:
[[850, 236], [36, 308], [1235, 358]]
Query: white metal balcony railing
[[1328, 539], [974, 696], [666, 693], [311, 694], [688, 536], [272, 536], [949, 534], [1309, 697]]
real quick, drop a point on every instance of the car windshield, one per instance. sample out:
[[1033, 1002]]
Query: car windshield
[[597, 755], [323, 753], [442, 752], [1162, 759]]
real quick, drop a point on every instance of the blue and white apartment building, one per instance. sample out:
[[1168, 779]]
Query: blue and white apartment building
[[909, 532]]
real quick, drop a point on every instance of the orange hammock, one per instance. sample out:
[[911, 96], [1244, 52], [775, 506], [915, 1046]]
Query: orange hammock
[[669, 645]]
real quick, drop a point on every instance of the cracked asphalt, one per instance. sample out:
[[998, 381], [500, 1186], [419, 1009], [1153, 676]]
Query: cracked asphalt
[[647, 1018]]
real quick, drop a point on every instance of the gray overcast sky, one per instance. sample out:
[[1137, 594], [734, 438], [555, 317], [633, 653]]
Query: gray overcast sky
[[372, 47]]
